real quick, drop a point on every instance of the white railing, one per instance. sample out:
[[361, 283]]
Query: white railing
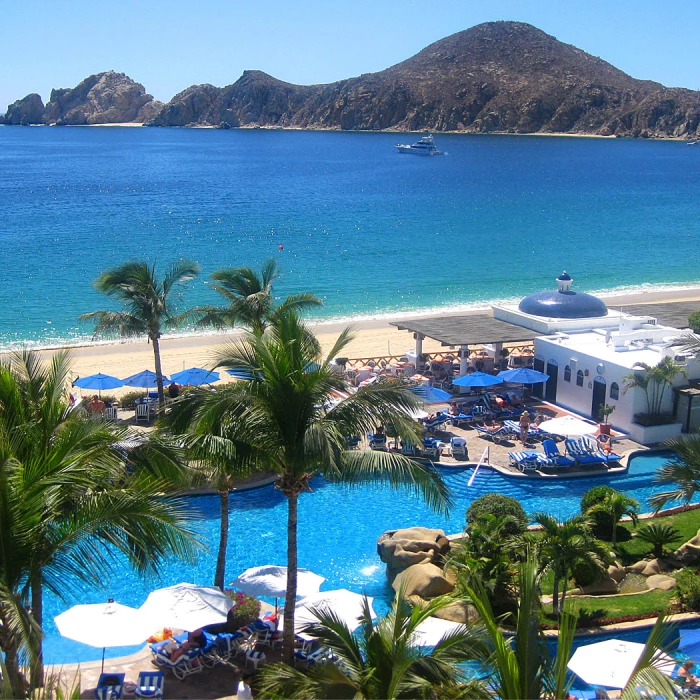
[[484, 456]]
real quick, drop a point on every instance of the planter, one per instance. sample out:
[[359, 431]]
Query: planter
[[604, 428], [654, 434]]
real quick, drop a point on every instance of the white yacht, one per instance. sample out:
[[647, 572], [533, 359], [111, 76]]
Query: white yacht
[[424, 147]]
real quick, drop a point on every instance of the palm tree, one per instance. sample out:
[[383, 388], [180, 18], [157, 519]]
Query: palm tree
[[682, 469], [66, 500], [654, 381], [250, 298], [565, 545], [613, 506], [382, 661], [147, 303], [289, 416]]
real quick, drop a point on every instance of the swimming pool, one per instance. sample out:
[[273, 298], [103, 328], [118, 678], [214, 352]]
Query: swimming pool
[[338, 531]]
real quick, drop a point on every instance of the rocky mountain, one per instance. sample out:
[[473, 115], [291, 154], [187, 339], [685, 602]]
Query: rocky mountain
[[105, 98], [495, 77]]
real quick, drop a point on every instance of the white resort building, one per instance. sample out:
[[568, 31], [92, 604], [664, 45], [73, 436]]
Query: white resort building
[[587, 350]]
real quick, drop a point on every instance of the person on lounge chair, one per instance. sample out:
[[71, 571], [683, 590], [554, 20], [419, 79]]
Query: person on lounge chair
[[689, 680], [605, 443], [195, 640]]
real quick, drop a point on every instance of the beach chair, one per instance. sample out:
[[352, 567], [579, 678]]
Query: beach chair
[[582, 455], [306, 659], [143, 413], [433, 450], [150, 684], [458, 446], [434, 424], [554, 457], [408, 449], [111, 413], [352, 442], [497, 435], [110, 686], [594, 446], [526, 460], [377, 442]]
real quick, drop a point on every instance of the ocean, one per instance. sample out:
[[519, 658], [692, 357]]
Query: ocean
[[371, 232]]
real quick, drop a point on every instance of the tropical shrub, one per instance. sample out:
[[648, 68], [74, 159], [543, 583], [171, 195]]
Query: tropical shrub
[[602, 521], [245, 608], [585, 572], [659, 536], [128, 400], [694, 322], [498, 505], [688, 589]]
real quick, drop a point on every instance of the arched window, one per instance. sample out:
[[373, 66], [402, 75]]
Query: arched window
[[579, 378], [614, 391], [567, 373]]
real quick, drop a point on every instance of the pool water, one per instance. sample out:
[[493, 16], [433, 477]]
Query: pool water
[[338, 531]]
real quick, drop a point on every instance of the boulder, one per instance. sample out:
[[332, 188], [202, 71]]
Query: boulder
[[663, 583], [637, 568], [689, 552], [423, 580], [656, 566], [399, 549], [616, 572], [605, 586]]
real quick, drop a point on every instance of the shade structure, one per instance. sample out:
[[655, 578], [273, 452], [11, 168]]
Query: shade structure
[[186, 606], [431, 632], [272, 581], [690, 644], [143, 380], [99, 382], [523, 375], [429, 394], [478, 379], [195, 376], [611, 663], [568, 426], [104, 625], [345, 604]]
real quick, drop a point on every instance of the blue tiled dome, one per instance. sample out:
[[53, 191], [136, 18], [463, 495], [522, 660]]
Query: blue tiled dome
[[563, 303]]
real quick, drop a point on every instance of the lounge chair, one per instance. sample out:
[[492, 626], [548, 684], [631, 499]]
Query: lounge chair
[[595, 447], [459, 447], [307, 659], [352, 442], [434, 424], [110, 686], [532, 432], [526, 460], [377, 442], [554, 457], [408, 449], [150, 684], [498, 435], [580, 453]]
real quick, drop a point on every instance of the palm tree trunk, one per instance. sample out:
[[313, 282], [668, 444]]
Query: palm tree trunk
[[223, 542], [9, 644], [614, 533], [159, 371], [563, 597], [37, 665], [291, 597], [555, 596]]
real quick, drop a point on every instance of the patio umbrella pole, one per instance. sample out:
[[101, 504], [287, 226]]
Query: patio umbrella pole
[[103, 660]]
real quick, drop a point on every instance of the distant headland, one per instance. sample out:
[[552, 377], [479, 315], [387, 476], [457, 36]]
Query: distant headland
[[497, 77]]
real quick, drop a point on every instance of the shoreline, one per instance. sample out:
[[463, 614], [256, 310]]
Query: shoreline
[[373, 338]]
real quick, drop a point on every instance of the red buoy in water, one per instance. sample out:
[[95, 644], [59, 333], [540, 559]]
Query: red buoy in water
[[280, 247]]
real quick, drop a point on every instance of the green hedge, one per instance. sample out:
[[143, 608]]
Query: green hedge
[[497, 504]]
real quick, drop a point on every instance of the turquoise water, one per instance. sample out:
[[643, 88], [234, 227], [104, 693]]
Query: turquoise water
[[368, 230], [338, 531]]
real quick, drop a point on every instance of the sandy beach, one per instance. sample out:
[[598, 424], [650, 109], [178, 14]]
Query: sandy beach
[[372, 338]]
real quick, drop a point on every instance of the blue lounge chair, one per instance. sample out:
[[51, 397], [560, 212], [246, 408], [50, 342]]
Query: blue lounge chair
[[532, 432], [461, 417], [526, 460], [498, 435], [377, 442], [110, 686], [434, 424], [459, 447], [594, 446], [554, 457], [581, 454], [150, 684]]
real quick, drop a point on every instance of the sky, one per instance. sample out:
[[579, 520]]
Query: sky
[[168, 45]]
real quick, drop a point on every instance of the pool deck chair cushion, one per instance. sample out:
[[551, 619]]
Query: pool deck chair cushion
[[578, 450], [594, 447], [150, 684], [554, 457], [110, 686], [526, 460], [499, 435]]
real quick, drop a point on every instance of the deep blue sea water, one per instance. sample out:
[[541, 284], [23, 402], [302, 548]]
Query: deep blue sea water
[[370, 231], [338, 531]]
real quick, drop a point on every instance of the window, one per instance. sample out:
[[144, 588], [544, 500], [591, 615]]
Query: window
[[614, 391], [567, 373], [579, 378]]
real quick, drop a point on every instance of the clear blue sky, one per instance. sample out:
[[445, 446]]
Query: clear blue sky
[[170, 44]]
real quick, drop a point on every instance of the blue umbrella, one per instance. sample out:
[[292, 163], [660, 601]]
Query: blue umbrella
[[240, 373], [690, 644], [478, 379], [194, 376], [430, 394], [144, 380], [98, 381], [523, 375]]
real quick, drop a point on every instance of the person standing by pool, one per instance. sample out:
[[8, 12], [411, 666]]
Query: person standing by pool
[[524, 426]]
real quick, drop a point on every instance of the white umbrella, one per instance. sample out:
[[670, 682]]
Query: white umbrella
[[186, 606], [611, 663], [431, 632], [104, 625], [272, 581], [568, 426], [345, 604]]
